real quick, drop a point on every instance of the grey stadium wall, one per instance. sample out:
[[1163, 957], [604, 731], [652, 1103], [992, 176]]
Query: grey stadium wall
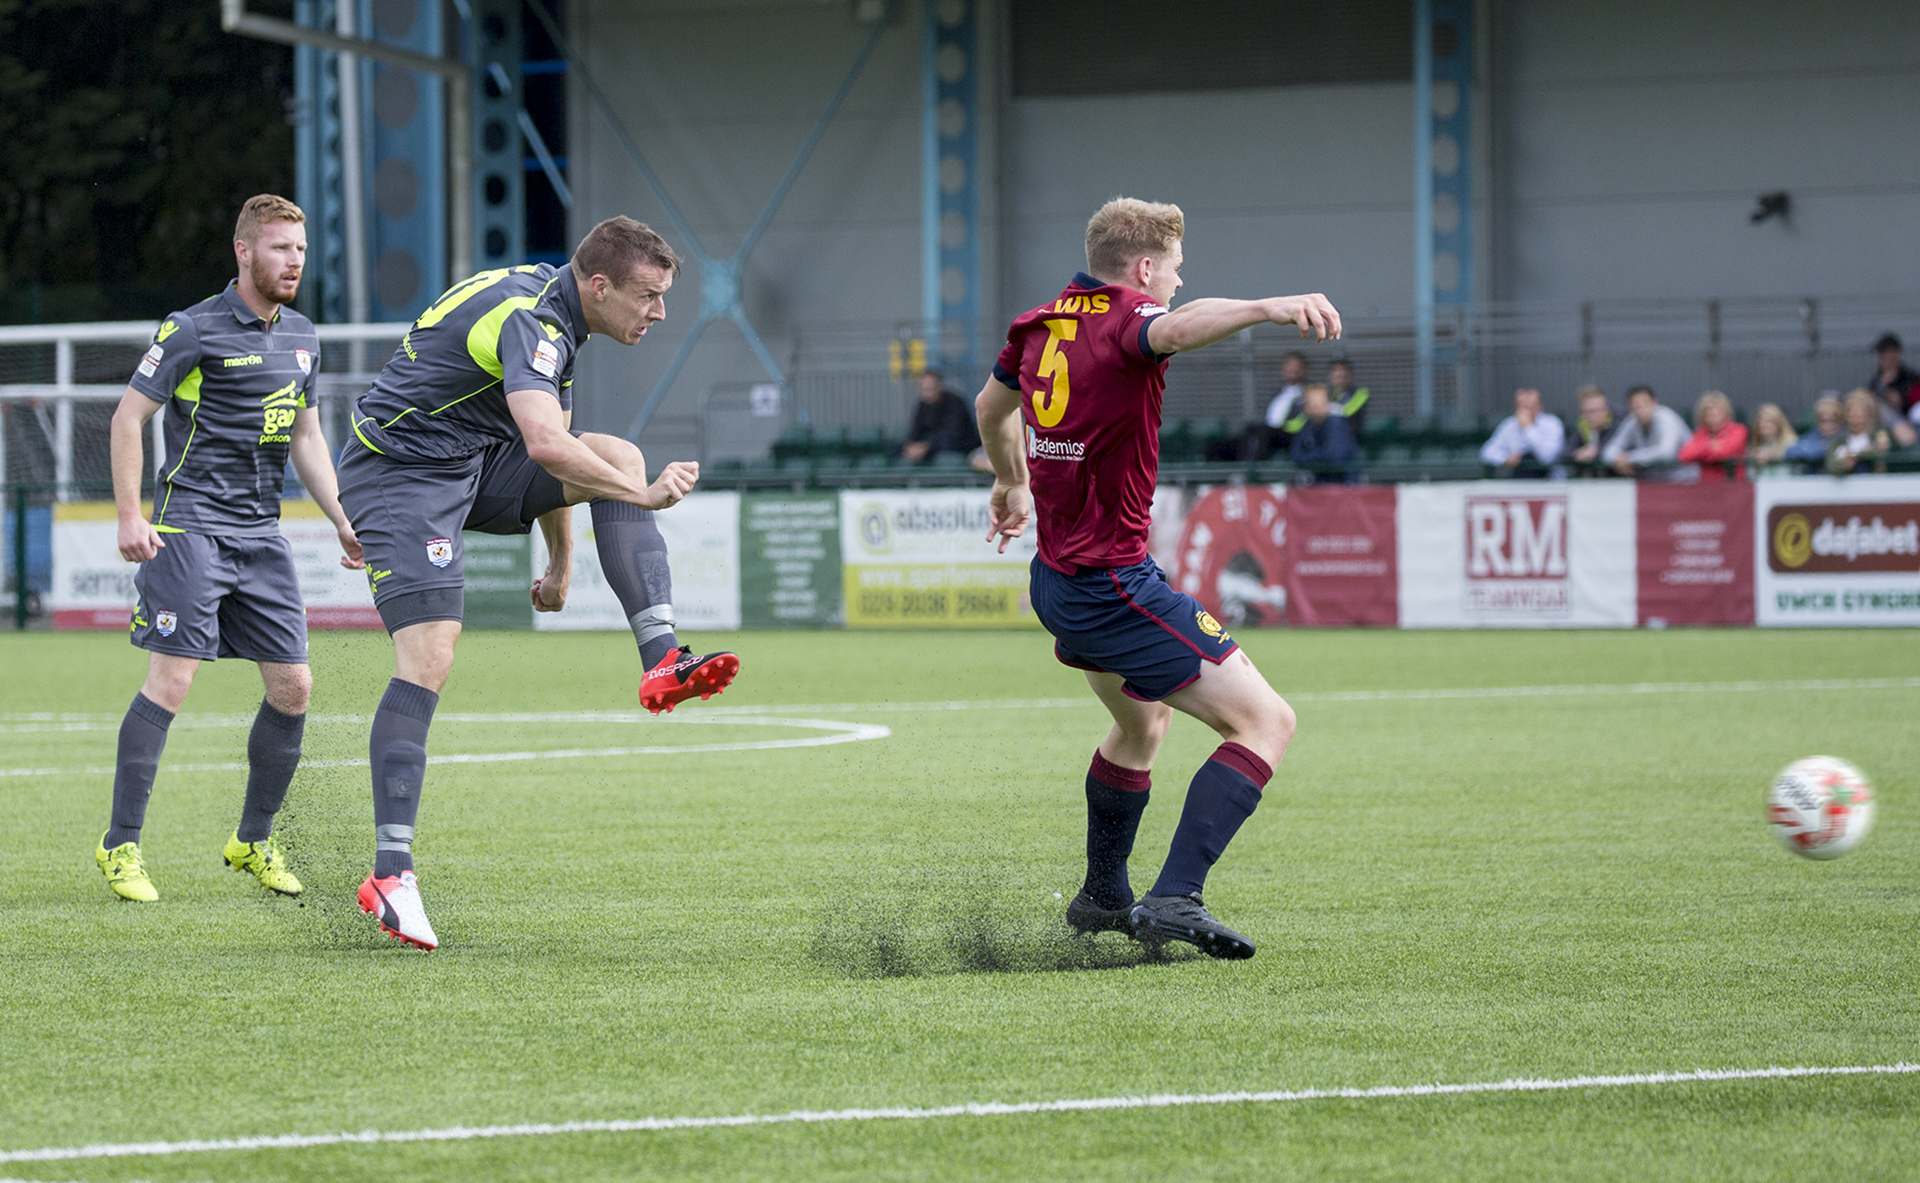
[[1621, 146]]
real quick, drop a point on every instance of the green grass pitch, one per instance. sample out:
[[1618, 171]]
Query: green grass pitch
[[1444, 889]]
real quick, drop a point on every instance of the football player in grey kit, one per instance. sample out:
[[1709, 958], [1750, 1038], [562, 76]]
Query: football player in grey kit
[[470, 427], [234, 375]]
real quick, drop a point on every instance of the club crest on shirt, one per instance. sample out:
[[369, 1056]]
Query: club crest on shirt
[[1209, 625], [546, 359], [165, 622], [440, 551], [304, 360]]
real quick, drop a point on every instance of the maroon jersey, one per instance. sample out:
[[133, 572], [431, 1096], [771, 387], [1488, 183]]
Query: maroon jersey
[[1090, 388]]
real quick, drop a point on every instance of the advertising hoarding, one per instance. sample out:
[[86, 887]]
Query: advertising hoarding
[[919, 558], [1837, 551], [703, 552], [1517, 554]]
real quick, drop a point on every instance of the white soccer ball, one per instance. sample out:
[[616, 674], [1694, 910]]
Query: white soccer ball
[[1820, 807]]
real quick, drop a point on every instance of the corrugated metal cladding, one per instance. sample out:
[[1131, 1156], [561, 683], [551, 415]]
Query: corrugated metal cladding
[[1103, 47]]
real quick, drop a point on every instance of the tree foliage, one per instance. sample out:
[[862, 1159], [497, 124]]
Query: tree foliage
[[130, 133]]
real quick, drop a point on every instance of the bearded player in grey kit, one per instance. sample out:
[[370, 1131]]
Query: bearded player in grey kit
[[235, 376]]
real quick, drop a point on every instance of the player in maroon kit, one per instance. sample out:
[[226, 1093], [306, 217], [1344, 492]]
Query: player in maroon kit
[[1071, 422]]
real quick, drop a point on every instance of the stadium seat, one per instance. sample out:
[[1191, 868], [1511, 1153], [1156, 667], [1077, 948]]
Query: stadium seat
[[796, 440], [1176, 442], [947, 460], [868, 441], [829, 441]]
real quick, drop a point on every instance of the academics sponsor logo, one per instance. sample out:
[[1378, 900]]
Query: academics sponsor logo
[[1833, 539], [439, 551], [1517, 555], [1040, 447]]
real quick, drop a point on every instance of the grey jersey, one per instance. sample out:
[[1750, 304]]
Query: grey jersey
[[231, 383], [443, 396]]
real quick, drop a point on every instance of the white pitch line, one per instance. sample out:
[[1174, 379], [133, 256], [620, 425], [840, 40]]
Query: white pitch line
[[34, 721], [977, 1109], [841, 733]]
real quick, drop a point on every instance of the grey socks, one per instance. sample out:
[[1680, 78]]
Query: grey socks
[[273, 752], [633, 557], [398, 751], [143, 736]]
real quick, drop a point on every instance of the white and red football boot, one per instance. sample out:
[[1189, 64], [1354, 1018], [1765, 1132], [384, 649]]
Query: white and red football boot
[[682, 673], [395, 902]]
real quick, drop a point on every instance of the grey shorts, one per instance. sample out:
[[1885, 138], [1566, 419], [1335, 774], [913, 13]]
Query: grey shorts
[[409, 514], [208, 598]]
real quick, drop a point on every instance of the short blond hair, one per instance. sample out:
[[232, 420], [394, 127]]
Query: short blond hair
[[1127, 228], [1712, 398], [1589, 391], [259, 211]]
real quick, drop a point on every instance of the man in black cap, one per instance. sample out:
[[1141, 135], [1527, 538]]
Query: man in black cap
[[1893, 383]]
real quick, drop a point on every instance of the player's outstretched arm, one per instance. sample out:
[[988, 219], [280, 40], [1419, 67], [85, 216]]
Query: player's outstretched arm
[[1199, 323], [138, 540], [550, 445], [314, 462], [1011, 506]]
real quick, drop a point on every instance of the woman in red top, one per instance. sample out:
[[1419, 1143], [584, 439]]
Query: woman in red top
[[1719, 445]]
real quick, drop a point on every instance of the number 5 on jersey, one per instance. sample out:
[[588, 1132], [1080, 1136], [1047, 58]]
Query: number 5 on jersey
[[1053, 364]]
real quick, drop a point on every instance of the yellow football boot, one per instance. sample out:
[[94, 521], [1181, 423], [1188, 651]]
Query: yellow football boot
[[263, 861], [125, 872]]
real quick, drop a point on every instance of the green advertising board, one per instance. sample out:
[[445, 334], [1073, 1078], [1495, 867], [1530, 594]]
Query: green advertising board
[[498, 579], [790, 560]]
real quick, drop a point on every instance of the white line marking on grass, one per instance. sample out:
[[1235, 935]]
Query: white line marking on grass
[[24, 722], [977, 1109], [839, 733]]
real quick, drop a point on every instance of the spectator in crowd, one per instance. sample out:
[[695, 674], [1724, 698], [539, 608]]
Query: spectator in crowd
[[1893, 383], [1647, 446], [1590, 434], [1863, 444], [1325, 443], [1810, 450], [1719, 445], [1528, 441], [1772, 437], [1273, 434], [1349, 401], [941, 422], [1898, 390]]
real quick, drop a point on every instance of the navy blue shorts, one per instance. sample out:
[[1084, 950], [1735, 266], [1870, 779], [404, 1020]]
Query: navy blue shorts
[[1128, 621]]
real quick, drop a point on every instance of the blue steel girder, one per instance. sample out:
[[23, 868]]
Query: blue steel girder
[[950, 179], [719, 276], [1443, 36]]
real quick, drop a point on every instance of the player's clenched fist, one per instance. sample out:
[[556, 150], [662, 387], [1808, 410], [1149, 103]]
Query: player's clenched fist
[[1313, 312], [675, 481], [139, 541]]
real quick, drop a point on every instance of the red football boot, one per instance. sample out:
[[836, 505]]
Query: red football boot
[[682, 673]]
